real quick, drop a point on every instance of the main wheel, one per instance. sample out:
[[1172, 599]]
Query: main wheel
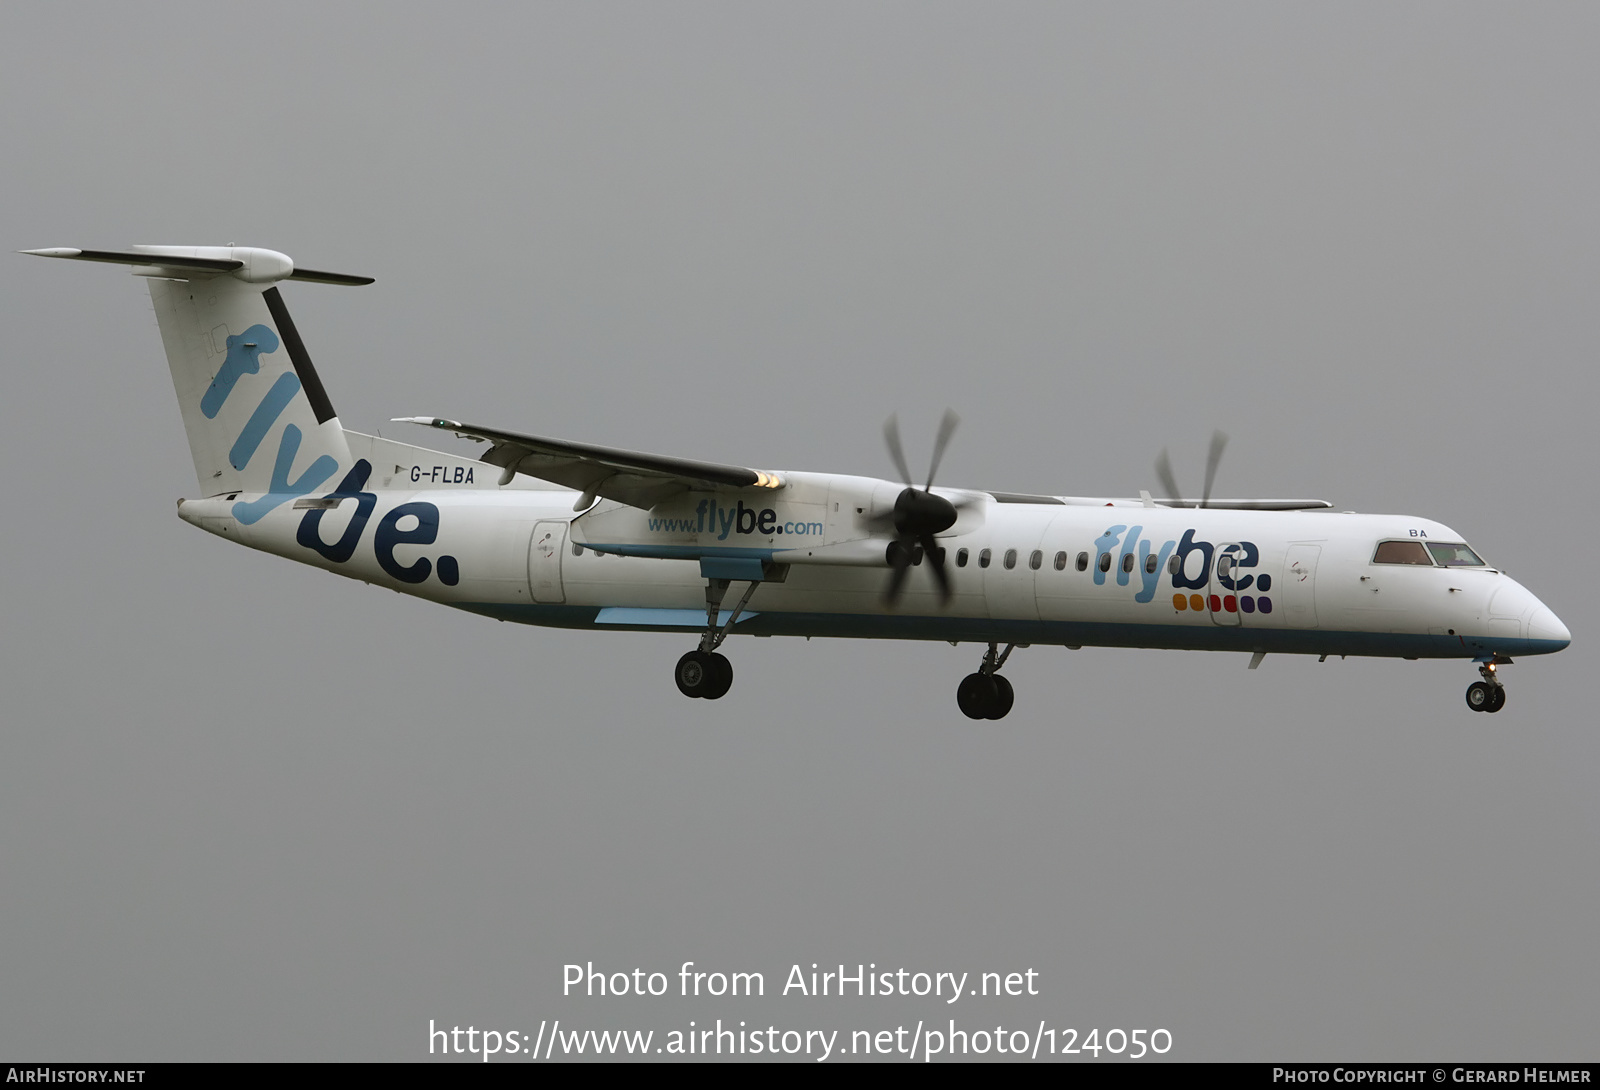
[[1005, 696], [977, 696], [1480, 696], [1497, 699], [720, 679], [695, 673]]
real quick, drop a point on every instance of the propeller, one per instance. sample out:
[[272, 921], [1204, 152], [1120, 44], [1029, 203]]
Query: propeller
[[918, 514], [1219, 440]]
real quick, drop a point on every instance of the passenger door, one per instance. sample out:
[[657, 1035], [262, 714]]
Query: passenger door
[[544, 561], [1298, 589]]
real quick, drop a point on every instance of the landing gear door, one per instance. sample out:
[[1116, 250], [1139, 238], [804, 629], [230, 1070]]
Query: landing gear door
[[1222, 596], [544, 561], [1299, 587]]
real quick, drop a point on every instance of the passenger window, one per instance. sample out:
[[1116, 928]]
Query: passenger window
[[1150, 563], [983, 559], [577, 550], [1172, 564], [1105, 561], [1036, 560], [1083, 561], [1061, 562], [1011, 559], [1402, 552], [1454, 556], [961, 558], [1127, 562]]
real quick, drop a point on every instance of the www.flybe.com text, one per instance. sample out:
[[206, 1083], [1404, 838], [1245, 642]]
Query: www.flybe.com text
[[713, 518]]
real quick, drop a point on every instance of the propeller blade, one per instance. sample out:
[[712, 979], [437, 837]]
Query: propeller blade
[[891, 435], [880, 524], [947, 428], [1219, 439], [1168, 481], [897, 576], [935, 557]]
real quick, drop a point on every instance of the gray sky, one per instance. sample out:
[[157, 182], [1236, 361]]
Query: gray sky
[[238, 821]]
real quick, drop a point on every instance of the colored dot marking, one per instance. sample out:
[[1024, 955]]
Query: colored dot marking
[[1197, 603], [1180, 602], [1231, 604]]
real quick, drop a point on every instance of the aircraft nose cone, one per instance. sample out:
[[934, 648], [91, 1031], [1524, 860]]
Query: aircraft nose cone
[[1544, 625]]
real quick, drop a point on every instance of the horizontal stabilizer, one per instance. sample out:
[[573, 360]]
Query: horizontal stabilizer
[[117, 257], [627, 476], [249, 263], [345, 279]]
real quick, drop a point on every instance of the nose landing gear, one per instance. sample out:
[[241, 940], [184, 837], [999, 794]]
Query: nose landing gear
[[1487, 695], [985, 694]]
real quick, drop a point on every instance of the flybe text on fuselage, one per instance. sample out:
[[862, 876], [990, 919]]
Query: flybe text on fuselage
[[1121, 549]]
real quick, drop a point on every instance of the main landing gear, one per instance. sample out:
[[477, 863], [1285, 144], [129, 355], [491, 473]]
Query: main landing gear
[[1487, 695], [703, 673], [985, 694]]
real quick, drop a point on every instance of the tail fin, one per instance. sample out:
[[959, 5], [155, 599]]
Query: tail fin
[[258, 418]]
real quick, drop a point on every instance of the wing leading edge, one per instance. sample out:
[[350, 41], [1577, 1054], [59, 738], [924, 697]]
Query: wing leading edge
[[627, 476]]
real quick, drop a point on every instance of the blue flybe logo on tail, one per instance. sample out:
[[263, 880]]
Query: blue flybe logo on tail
[[244, 358], [406, 524]]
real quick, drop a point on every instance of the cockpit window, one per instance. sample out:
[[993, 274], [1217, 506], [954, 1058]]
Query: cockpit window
[[1454, 556], [1402, 552]]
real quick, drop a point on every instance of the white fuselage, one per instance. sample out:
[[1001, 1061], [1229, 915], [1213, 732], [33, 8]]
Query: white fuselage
[[1047, 571]]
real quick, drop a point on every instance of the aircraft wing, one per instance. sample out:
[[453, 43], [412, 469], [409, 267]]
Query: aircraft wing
[[1126, 501], [627, 476], [1250, 505]]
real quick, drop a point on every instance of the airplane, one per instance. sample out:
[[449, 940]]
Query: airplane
[[545, 531]]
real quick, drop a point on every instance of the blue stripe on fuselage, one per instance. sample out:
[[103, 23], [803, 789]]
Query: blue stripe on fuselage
[[1074, 633]]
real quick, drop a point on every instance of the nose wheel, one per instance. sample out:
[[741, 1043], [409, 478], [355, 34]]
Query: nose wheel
[[1487, 695], [985, 694], [1483, 697]]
